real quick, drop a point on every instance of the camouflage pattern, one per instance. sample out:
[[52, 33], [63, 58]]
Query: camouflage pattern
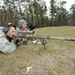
[[5, 45], [22, 32], [18, 30]]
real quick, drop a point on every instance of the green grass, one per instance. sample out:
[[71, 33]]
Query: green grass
[[57, 31], [58, 59]]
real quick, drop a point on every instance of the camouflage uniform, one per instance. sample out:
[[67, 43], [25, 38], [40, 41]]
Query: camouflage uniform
[[19, 29], [5, 45], [25, 30]]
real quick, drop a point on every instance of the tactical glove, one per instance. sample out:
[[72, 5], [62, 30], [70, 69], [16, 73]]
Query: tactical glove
[[17, 41]]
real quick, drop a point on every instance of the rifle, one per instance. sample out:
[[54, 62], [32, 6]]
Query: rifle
[[42, 38]]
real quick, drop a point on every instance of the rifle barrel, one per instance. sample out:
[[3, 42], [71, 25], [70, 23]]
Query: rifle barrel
[[50, 37]]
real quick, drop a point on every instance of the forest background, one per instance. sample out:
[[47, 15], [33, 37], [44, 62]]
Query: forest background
[[35, 11]]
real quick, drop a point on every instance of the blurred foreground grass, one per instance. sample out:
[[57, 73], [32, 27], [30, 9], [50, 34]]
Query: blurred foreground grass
[[58, 59]]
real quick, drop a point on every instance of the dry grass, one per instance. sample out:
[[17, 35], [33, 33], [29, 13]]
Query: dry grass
[[58, 59]]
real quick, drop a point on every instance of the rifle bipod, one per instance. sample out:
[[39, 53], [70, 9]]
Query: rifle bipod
[[43, 42]]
